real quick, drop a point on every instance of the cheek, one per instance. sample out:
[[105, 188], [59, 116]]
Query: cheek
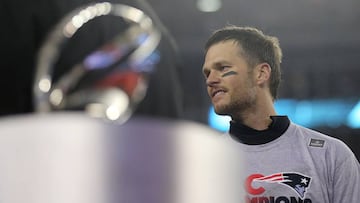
[[238, 87], [208, 91], [235, 83]]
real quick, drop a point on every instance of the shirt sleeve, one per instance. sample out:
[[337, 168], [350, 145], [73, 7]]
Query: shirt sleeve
[[346, 178]]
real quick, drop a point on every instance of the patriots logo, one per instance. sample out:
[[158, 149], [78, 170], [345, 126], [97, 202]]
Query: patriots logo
[[295, 181]]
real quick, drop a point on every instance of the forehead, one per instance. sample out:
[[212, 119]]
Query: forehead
[[227, 44], [224, 51]]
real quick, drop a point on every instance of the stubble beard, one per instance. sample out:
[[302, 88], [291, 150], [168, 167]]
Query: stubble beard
[[238, 105]]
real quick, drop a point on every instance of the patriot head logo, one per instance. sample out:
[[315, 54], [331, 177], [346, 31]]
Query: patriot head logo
[[296, 181]]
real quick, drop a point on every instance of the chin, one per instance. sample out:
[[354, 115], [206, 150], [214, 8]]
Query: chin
[[220, 110]]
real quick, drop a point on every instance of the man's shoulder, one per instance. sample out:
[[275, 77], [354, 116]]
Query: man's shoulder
[[306, 132], [320, 141]]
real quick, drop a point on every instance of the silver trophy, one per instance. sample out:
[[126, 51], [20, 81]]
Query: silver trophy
[[110, 78]]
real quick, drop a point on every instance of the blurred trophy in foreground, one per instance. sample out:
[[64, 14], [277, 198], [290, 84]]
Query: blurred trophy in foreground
[[79, 70]]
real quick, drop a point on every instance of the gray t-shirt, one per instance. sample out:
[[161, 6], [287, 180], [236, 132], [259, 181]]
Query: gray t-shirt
[[301, 165]]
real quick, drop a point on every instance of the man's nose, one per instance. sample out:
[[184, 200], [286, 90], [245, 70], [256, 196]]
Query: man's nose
[[212, 79]]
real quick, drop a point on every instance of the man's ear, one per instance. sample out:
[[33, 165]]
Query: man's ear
[[263, 73]]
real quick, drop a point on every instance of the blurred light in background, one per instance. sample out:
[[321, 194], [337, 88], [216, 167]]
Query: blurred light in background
[[208, 5], [331, 113], [218, 122], [354, 117]]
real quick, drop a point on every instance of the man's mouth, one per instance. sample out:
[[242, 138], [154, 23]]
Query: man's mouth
[[217, 92]]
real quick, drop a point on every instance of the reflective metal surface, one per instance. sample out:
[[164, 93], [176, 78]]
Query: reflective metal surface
[[68, 157]]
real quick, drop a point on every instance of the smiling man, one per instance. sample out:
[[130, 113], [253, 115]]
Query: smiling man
[[285, 162]]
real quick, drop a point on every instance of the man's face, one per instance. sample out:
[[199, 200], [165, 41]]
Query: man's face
[[229, 80]]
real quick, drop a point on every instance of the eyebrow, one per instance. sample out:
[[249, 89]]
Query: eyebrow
[[218, 63], [221, 62]]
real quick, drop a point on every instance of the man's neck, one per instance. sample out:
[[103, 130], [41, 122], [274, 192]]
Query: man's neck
[[250, 136], [257, 117]]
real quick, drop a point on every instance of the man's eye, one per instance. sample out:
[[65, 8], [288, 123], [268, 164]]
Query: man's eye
[[224, 68]]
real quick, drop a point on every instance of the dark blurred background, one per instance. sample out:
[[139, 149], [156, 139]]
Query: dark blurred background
[[320, 41]]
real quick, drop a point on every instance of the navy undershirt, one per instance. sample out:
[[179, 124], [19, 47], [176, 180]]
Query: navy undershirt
[[250, 136]]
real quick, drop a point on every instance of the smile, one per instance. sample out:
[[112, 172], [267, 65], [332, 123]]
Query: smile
[[217, 92]]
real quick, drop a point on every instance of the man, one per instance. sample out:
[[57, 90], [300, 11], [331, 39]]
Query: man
[[285, 162]]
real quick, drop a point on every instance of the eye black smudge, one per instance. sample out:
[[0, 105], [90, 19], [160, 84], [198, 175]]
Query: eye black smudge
[[229, 73]]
